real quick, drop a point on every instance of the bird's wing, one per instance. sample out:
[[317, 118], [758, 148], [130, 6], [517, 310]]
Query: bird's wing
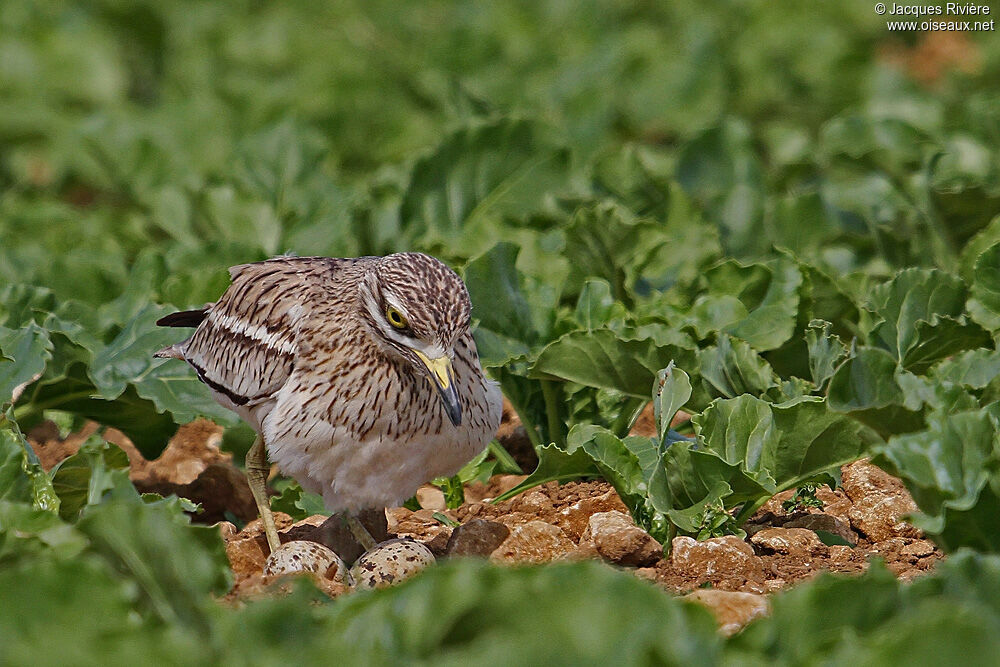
[[246, 346]]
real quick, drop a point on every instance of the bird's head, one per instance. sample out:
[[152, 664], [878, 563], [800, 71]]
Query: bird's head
[[417, 309]]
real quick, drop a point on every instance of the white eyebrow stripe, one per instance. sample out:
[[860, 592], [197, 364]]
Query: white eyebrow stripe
[[274, 341]]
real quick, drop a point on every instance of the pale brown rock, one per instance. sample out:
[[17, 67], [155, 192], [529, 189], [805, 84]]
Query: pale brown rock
[[825, 522], [732, 610], [618, 540], [880, 501], [840, 554], [533, 502], [918, 549], [716, 559], [791, 541], [431, 498], [575, 519], [478, 537], [533, 542]]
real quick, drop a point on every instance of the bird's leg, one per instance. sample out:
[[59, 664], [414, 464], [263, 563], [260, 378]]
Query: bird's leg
[[360, 533], [257, 471]]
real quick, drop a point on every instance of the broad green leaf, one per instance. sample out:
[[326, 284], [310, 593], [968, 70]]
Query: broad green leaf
[[482, 174], [596, 307], [22, 479], [952, 469], [721, 172], [135, 416], [865, 386], [826, 351], [672, 392], [732, 367], [297, 503], [603, 359], [23, 356], [781, 444], [506, 326], [175, 566], [919, 318], [984, 300], [973, 368], [555, 464], [83, 478]]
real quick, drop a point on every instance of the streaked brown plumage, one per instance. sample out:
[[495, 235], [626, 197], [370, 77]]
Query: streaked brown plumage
[[310, 353]]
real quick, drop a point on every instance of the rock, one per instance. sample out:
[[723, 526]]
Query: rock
[[825, 522], [732, 610], [840, 554], [620, 541], [918, 549], [478, 537], [531, 543], [716, 559], [575, 519], [431, 498], [334, 533], [227, 529], [880, 501], [533, 502], [300, 556], [390, 562], [792, 541]]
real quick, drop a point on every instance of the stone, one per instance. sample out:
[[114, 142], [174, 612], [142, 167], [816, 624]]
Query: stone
[[918, 549], [575, 519], [533, 502], [840, 554], [334, 533], [532, 543], [827, 523], [732, 610], [618, 540], [880, 501], [477, 537], [431, 498], [716, 559], [791, 541]]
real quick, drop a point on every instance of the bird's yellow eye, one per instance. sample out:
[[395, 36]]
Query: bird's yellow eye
[[395, 318]]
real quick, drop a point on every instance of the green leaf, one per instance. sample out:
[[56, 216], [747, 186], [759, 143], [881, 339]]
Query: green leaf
[[506, 328], [174, 565], [826, 351], [984, 300], [23, 355], [952, 469], [973, 368], [673, 390], [297, 503], [21, 476], [596, 307], [604, 359], [481, 174], [83, 478], [732, 367], [865, 386], [920, 320], [554, 465]]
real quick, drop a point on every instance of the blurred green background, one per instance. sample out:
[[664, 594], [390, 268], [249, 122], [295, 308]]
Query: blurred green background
[[221, 132]]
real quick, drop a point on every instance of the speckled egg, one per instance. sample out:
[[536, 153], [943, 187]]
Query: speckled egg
[[303, 556], [390, 562]]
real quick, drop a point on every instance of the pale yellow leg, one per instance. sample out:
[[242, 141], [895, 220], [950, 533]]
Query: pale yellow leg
[[360, 533], [257, 472]]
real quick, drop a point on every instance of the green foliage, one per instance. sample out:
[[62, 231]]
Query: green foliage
[[751, 192]]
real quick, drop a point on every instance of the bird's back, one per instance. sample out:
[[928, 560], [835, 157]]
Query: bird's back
[[246, 344]]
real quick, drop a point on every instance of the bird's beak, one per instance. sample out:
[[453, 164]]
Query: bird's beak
[[441, 374]]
